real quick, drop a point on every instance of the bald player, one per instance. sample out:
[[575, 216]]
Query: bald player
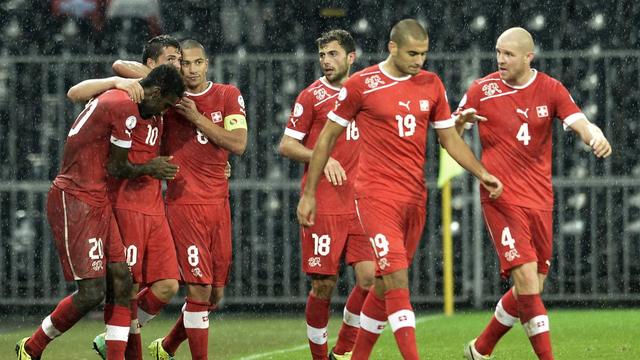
[[514, 108], [393, 103]]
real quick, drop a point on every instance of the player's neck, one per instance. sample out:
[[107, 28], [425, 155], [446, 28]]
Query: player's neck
[[522, 79], [199, 88], [390, 68]]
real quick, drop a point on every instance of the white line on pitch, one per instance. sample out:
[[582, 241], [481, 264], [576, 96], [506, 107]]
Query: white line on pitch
[[302, 347]]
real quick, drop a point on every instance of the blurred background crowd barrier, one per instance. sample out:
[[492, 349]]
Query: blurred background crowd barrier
[[266, 48]]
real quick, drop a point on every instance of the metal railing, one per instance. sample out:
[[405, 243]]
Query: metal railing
[[597, 212]]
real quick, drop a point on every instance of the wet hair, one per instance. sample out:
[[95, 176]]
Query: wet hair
[[341, 36], [167, 78], [193, 44], [407, 28], [153, 48]]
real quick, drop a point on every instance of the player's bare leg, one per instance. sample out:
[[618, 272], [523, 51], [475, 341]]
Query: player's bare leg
[[365, 276], [531, 310], [317, 313], [67, 313], [193, 324]]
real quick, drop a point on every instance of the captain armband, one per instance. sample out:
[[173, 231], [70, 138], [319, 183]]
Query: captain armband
[[235, 121]]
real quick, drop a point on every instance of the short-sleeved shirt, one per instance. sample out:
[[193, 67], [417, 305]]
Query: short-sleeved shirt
[[308, 117], [144, 193], [107, 119], [516, 138], [393, 115], [201, 178]]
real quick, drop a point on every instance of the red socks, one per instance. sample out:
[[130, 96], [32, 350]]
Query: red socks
[[60, 320], [118, 321], [134, 344], [196, 325], [402, 321], [317, 315], [373, 319], [505, 316], [535, 321], [350, 320], [148, 306]]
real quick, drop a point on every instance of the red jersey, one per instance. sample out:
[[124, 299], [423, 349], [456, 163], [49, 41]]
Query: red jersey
[[393, 115], [107, 119], [200, 179], [516, 138], [144, 193], [308, 116]]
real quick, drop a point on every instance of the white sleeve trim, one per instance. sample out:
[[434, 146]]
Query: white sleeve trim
[[298, 135], [337, 119], [444, 124], [571, 119], [121, 143]]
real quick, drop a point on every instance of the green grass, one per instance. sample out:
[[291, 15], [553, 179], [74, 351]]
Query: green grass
[[576, 334]]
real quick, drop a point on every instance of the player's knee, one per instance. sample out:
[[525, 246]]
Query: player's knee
[[165, 289], [122, 283], [216, 295], [322, 287], [90, 294]]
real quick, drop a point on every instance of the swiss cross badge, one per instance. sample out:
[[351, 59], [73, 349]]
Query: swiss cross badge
[[542, 111], [216, 117]]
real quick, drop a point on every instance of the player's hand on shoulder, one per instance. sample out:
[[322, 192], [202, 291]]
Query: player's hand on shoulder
[[599, 143], [306, 211], [187, 108], [469, 116], [132, 87], [492, 184], [161, 168], [334, 172]]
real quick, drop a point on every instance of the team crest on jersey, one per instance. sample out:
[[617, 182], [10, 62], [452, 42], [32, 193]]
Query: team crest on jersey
[[196, 272], [320, 93], [216, 117], [511, 255], [131, 122], [542, 111], [424, 105], [373, 81], [97, 265], [383, 263], [491, 88], [314, 261]]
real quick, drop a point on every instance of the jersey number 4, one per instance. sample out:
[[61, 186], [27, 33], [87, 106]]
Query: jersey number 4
[[523, 134]]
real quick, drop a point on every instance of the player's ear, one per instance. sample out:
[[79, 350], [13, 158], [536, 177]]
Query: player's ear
[[152, 92], [351, 57], [393, 48]]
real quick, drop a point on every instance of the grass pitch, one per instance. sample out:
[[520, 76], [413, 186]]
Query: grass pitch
[[576, 334]]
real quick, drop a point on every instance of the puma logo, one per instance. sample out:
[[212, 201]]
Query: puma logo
[[405, 104], [523, 112]]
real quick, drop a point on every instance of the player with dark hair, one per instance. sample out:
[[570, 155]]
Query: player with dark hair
[[337, 229], [81, 217], [393, 104], [139, 207], [205, 126], [515, 107]]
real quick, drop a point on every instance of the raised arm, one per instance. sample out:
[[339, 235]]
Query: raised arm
[[232, 138], [130, 69], [85, 90], [322, 150], [159, 167], [592, 135], [460, 152]]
